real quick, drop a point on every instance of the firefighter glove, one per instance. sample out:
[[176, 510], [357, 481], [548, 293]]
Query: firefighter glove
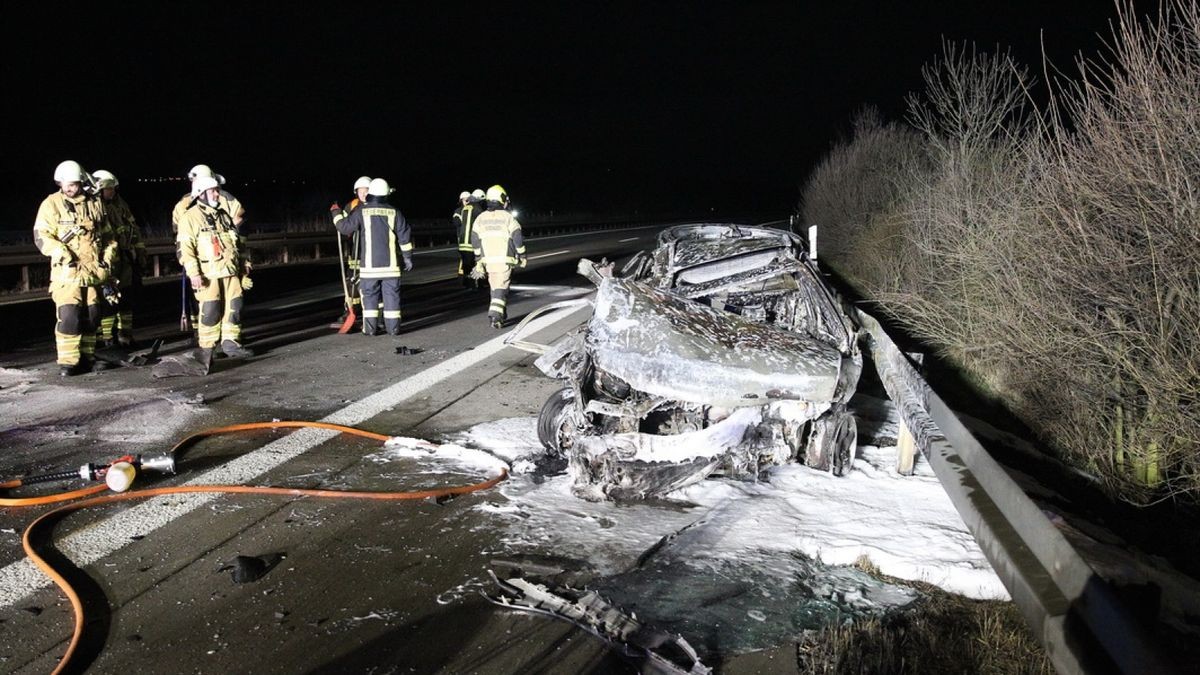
[[111, 295], [476, 272], [521, 261], [247, 282], [197, 282], [335, 208], [408, 263]]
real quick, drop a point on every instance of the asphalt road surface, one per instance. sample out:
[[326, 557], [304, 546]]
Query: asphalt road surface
[[356, 586]]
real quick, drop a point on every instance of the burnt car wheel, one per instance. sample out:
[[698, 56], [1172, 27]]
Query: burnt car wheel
[[554, 420], [832, 442]]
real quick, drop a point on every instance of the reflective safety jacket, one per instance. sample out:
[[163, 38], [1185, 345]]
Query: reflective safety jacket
[[209, 243], [74, 233], [352, 254], [464, 218], [131, 249], [384, 237], [497, 239], [226, 201]]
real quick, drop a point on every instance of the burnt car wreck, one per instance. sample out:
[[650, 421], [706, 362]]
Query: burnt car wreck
[[720, 352]]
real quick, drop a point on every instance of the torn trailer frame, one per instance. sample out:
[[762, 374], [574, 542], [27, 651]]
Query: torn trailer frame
[[722, 351]]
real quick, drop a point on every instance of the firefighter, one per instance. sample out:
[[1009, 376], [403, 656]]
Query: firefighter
[[385, 239], [73, 231], [117, 320], [212, 252], [352, 281], [499, 247], [463, 218], [227, 202]]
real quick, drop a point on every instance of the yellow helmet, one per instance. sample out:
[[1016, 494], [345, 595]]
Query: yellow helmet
[[497, 194]]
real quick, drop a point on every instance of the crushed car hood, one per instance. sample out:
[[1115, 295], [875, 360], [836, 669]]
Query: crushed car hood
[[679, 349]]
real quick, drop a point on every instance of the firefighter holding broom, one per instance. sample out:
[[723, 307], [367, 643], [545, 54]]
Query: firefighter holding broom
[[348, 255]]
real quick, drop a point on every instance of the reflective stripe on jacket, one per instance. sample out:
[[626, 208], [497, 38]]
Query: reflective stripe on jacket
[[131, 249], [385, 237], [74, 233], [209, 243], [497, 239], [464, 218]]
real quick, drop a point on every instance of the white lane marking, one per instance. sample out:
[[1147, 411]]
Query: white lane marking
[[622, 241], [547, 255], [304, 302], [590, 232], [91, 543]]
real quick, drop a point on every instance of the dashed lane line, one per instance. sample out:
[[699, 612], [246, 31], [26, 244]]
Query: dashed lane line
[[95, 541]]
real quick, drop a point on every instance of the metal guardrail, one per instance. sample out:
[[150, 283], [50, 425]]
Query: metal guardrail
[[1083, 625], [285, 247]]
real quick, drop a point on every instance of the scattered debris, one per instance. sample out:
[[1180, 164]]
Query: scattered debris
[[408, 351], [252, 568], [663, 652], [117, 357], [185, 364]]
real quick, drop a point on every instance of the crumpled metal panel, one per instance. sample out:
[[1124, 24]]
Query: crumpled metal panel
[[668, 346], [691, 252]]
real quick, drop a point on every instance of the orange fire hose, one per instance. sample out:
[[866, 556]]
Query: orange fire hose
[[73, 597]]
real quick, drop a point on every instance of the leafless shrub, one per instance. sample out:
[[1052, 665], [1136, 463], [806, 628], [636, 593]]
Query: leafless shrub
[[1055, 258], [853, 192], [1121, 204]]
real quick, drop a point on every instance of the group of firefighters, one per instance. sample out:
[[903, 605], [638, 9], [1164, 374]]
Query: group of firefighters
[[97, 257]]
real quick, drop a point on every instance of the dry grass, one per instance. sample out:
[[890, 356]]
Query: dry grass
[[1052, 255], [941, 633]]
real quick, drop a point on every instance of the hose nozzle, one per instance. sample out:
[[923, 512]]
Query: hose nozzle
[[160, 463]]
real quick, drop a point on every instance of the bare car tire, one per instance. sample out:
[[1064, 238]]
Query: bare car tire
[[553, 418], [832, 442]]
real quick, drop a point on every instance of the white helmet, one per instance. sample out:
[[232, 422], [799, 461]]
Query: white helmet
[[202, 183], [464, 195], [378, 187], [362, 182], [105, 179], [69, 172], [477, 194], [204, 170]]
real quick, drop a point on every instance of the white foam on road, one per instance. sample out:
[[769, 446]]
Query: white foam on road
[[97, 540]]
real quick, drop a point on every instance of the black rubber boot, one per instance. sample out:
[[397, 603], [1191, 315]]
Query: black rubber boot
[[204, 357], [235, 351]]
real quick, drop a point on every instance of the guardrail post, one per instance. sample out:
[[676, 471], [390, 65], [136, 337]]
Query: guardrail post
[[317, 251], [906, 449], [24, 278], [157, 266], [285, 254]]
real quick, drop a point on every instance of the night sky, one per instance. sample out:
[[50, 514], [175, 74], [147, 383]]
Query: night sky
[[573, 106]]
